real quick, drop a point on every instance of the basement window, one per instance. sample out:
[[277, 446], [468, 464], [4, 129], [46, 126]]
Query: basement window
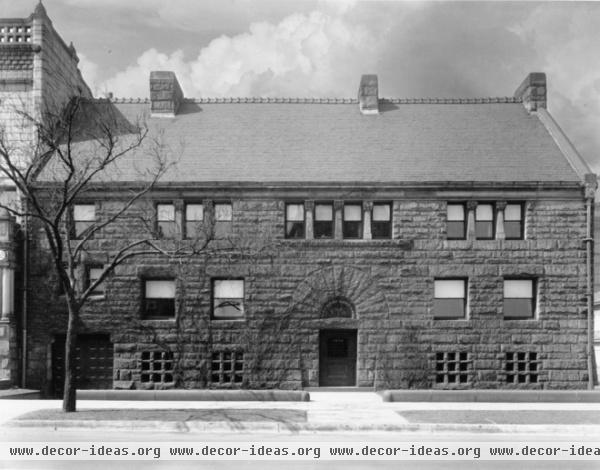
[[452, 368], [156, 367], [227, 368], [522, 367]]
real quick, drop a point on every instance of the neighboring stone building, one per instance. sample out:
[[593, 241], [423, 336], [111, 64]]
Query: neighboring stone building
[[409, 243], [38, 75]]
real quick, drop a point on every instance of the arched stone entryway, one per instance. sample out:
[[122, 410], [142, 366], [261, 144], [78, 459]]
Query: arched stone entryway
[[351, 285], [344, 308]]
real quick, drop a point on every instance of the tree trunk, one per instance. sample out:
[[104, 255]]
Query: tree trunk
[[69, 398]]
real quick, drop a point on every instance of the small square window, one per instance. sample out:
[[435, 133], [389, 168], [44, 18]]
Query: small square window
[[94, 273], [161, 364], [228, 298], [324, 221], [456, 222], [223, 212], [227, 368], [449, 301], [484, 221], [452, 368], [352, 221], [194, 219], [519, 299], [513, 222], [223, 219], [294, 220], [159, 298], [381, 220], [522, 368], [165, 219], [84, 218]]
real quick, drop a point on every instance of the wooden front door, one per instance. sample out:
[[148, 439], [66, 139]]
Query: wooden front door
[[93, 363], [337, 358]]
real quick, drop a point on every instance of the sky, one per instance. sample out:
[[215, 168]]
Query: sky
[[318, 48]]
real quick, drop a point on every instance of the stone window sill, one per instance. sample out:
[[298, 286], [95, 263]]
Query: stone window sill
[[158, 320], [95, 298], [403, 243]]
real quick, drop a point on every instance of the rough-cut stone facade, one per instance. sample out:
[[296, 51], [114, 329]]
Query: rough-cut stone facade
[[388, 282], [38, 75], [383, 290]]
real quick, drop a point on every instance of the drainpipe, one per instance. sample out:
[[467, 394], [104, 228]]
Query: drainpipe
[[25, 272], [591, 184]]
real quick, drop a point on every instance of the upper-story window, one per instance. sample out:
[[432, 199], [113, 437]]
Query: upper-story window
[[381, 220], [352, 220], [93, 274], [165, 221], [324, 220], [294, 220], [159, 299], [484, 221], [228, 298], [450, 298], [513, 221], [223, 218], [194, 219], [84, 217], [519, 299], [456, 222]]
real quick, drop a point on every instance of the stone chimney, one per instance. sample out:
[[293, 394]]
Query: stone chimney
[[533, 91], [165, 94], [368, 95]]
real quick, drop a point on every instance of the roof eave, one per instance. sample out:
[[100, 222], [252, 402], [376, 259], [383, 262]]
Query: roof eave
[[565, 146]]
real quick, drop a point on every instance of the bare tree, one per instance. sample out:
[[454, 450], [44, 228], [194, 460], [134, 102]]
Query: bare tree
[[77, 150]]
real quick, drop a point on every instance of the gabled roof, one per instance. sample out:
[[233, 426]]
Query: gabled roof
[[303, 141]]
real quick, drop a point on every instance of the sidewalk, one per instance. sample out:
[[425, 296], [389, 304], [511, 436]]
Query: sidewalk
[[326, 412]]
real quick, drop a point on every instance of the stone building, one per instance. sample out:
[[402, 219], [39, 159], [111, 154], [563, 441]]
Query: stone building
[[38, 74], [405, 243]]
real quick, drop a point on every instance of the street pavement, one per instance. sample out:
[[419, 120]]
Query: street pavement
[[327, 412]]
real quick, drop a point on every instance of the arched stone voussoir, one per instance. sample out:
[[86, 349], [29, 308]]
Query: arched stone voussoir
[[355, 285]]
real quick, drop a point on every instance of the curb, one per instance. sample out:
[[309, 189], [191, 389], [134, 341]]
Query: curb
[[492, 396], [194, 395], [19, 394], [283, 428]]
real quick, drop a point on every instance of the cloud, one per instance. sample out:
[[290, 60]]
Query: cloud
[[89, 70], [417, 49], [192, 16], [315, 54], [133, 81], [454, 50], [566, 40]]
